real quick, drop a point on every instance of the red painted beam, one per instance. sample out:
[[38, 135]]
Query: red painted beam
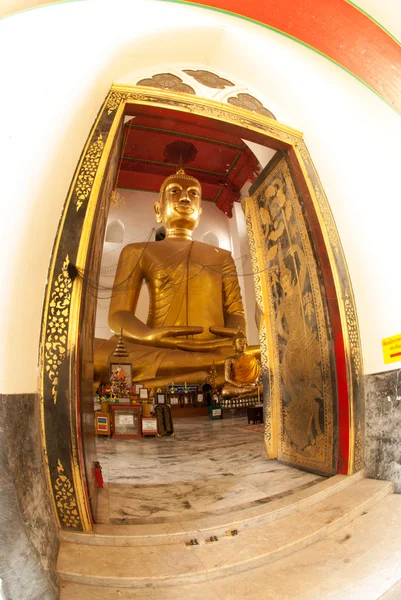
[[334, 28]]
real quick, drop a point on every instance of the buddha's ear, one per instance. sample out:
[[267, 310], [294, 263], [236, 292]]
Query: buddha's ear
[[158, 211]]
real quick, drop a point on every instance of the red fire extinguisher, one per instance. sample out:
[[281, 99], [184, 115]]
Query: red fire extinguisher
[[98, 475]]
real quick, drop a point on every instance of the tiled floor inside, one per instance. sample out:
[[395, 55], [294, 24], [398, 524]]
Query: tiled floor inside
[[207, 468]]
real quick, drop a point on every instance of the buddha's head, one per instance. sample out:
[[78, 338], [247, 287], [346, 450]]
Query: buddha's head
[[179, 206], [239, 342]]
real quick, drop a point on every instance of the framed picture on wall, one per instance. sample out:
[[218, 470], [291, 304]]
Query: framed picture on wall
[[126, 368], [143, 393], [160, 398]]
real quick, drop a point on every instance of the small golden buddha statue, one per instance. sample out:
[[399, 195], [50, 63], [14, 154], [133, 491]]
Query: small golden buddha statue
[[195, 305], [241, 372]]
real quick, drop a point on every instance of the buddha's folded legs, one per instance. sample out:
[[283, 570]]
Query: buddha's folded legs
[[150, 364]]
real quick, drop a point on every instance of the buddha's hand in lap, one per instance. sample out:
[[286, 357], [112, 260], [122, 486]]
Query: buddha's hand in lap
[[166, 337], [223, 341]]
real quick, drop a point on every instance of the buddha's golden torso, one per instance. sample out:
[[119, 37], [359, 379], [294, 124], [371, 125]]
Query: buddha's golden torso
[[190, 283]]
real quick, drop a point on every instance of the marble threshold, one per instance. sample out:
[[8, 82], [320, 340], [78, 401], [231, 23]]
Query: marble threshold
[[177, 564], [360, 560], [202, 528]]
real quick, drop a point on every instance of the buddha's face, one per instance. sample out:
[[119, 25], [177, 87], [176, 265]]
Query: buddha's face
[[180, 204], [240, 345]]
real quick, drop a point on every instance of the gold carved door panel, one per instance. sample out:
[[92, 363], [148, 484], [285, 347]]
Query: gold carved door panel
[[296, 337]]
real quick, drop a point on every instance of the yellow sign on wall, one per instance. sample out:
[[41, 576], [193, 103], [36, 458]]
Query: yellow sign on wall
[[392, 349]]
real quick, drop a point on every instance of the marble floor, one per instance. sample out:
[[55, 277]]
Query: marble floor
[[207, 468]]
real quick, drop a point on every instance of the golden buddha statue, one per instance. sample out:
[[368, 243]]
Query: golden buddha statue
[[241, 372], [195, 305]]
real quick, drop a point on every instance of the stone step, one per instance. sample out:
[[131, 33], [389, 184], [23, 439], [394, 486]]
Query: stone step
[[359, 560], [201, 529], [175, 564]]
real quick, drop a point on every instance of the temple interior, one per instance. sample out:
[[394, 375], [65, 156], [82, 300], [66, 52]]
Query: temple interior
[[208, 468], [200, 350]]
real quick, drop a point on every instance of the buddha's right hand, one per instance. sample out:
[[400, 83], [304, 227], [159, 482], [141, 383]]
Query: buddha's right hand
[[166, 337], [137, 332]]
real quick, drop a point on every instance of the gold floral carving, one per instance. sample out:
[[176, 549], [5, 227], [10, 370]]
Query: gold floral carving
[[353, 335], [303, 151], [262, 330], [65, 499], [199, 107], [56, 331], [114, 101], [358, 456], [87, 173], [308, 305], [269, 349], [324, 207], [255, 262], [328, 220]]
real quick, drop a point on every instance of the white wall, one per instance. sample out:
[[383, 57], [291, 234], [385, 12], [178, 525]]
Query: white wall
[[61, 61]]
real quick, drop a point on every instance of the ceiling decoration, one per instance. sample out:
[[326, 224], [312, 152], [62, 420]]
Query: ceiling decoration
[[337, 29], [167, 81], [250, 103], [334, 28], [209, 79], [154, 145], [180, 153]]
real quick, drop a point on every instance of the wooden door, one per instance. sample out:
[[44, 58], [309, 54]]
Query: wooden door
[[296, 334]]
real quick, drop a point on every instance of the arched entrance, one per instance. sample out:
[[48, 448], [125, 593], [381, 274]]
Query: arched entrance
[[69, 314]]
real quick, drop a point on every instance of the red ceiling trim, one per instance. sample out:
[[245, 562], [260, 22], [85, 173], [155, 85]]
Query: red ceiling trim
[[336, 29]]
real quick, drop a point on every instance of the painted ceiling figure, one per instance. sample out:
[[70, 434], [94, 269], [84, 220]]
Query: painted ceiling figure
[[195, 305]]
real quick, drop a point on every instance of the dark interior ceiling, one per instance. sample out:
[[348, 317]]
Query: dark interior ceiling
[[153, 146]]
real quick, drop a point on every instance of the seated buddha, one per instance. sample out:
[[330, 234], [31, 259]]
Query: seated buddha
[[241, 372], [195, 305]]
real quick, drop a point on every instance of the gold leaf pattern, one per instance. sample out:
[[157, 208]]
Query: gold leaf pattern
[[65, 499], [270, 364], [353, 335], [57, 327], [308, 305], [303, 152], [262, 332], [114, 101], [328, 221], [87, 173], [358, 456], [201, 108]]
